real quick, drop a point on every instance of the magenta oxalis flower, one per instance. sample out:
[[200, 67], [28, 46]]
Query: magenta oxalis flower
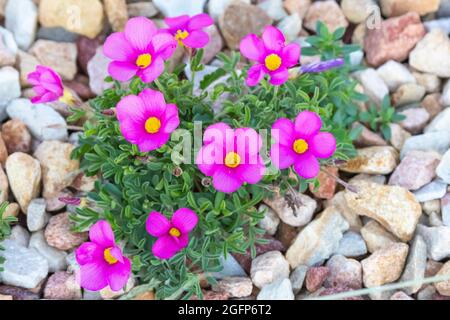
[[300, 143], [188, 30], [101, 261], [173, 235], [48, 86], [231, 157], [146, 120], [140, 50], [272, 56]]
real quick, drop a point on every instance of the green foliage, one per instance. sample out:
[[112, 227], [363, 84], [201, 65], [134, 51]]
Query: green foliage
[[5, 228], [132, 184], [380, 118]]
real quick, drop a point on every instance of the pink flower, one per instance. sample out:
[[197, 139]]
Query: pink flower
[[301, 143], [187, 31], [146, 120], [101, 261], [231, 157], [272, 55], [47, 85], [139, 50], [173, 235]]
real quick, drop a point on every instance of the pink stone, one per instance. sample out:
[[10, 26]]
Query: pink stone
[[62, 286], [394, 39], [315, 277]]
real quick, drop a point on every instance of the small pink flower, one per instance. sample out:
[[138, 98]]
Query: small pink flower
[[146, 120], [300, 143], [188, 31], [101, 261], [231, 157], [173, 235], [139, 50], [272, 56], [47, 85]]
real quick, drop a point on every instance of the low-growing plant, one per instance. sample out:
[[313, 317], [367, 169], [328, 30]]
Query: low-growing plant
[[176, 216], [5, 228]]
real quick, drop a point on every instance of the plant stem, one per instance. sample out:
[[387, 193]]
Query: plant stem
[[159, 85]]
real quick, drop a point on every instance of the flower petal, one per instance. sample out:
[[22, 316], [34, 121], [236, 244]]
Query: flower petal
[[254, 75], [154, 103], [89, 252], [206, 159], [273, 39], [307, 124], [176, 23], [199, 21], [165, 248], [172, 120], [164, 44], [307, 166], [131, 108], [157, 224], [93, 276], [122, 71], [116, 253], [196, 39], [185, 220], [283, 132], [152, 142], [251, 173], [279, 77], [248, 144], [118, 274], [102, 234], [290, 55], [139, 31], [323, 145], [225, 180], [252, 48], [282, 157], [153, 71], [117, 47], [217, 133]]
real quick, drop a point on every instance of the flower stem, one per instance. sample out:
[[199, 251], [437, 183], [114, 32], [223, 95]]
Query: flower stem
[[159, 85], [346, 185]]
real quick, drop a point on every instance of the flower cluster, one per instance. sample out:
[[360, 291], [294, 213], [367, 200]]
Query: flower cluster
[[231, 157]]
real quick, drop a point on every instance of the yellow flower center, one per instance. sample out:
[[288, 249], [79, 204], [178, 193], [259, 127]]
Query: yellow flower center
[[109, 257], [273, 62], [300, 146], [174, 232], [152, 125], [232, 160], [144, 60], [181, 35], [67, 98]]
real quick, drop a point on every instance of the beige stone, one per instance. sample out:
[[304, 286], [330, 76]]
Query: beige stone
[[443, 287], [384, 265], [79, 16], [395, 208], [373, 160], [58, 169], [117, 13], [392, 8], [377, 237], [24, 175]]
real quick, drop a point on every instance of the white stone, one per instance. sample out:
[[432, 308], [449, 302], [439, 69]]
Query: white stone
[[437, 240], [8, 43], [443, 170], [23, 267], [395, 74], [43, 121], [441, 122], [274, 9], [270, 221], [278, 290], [432, 191], [269, 267], [217, 7], [438, 141], [374, 85], [443, 24], [21, 19], [37, 218], [445, 97], [9, 88], [97, 69], [173, 8], [231, 268], [291, 26], [56, 259], [416, 264], [20, 235], [352, 245]]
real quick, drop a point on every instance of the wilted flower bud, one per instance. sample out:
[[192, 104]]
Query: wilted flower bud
[[206, 182], [177, 171]]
